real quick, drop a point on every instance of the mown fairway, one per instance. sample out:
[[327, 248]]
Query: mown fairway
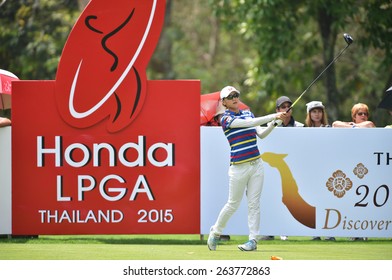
[[187, 247]]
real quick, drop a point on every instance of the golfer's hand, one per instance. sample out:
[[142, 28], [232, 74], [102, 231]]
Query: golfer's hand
[[281, 116]]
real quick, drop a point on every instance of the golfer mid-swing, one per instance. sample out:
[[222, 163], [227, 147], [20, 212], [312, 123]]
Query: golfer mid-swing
[[246, 172]]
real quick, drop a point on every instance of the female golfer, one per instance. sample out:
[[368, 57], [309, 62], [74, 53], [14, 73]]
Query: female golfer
[[246, 172]]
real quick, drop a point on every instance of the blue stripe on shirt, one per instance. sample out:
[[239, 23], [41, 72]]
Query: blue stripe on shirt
[[243, 141]]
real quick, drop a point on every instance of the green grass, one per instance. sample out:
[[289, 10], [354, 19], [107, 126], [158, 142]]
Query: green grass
[[186, 247]]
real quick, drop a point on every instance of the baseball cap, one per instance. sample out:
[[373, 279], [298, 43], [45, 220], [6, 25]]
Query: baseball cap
[[282, 100], [314, 104], [225, 92]]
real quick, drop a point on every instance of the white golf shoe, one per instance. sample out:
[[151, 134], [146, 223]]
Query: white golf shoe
[[250, 245], [212, 241]]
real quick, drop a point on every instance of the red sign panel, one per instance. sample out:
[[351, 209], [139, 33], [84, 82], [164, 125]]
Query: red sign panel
[[101, 73], [101, 150]]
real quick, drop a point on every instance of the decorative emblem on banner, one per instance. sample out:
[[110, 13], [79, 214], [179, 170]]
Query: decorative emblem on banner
[[339, 184], [360, 171]]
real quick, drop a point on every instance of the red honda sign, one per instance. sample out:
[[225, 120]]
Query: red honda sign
[[103, 150]]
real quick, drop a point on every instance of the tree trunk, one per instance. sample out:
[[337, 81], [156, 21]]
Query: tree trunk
[[328, 36]]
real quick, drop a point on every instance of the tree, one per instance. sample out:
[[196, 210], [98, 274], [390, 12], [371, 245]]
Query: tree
[[197, 47], [267, 48], [161, 64], [290, 35], [33, 34]]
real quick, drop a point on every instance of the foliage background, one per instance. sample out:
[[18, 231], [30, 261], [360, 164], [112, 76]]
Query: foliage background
[[266, 48]]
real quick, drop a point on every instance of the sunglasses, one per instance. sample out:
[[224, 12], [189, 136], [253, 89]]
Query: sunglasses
[[232, 96], [362, 114]]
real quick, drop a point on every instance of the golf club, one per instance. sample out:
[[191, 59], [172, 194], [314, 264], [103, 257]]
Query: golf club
[[349, 41]]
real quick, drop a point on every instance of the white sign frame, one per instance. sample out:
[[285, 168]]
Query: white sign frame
[[313, 156]]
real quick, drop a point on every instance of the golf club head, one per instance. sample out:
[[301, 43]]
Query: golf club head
[[348, 38]]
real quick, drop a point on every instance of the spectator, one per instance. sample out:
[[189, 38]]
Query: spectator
[[316, 115], [359, 115], [4, 122], [283, 103]]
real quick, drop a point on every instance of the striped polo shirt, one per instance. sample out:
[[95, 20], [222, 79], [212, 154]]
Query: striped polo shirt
[[242, 141]]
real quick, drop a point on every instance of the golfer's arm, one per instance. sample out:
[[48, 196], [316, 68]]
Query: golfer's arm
[[263, 132], [237, 123]]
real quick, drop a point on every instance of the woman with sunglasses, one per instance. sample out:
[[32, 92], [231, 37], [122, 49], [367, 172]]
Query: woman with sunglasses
[[359, 115], [246, 171]]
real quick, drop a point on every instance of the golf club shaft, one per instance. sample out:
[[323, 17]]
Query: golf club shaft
[[311, 84]]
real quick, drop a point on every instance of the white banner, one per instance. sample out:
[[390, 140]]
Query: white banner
[[318, 182], [5, 180]]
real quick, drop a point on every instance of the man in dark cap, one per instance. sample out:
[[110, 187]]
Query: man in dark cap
[[283, 103]]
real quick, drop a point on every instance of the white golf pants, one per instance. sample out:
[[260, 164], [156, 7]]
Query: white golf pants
[[246, 177]]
